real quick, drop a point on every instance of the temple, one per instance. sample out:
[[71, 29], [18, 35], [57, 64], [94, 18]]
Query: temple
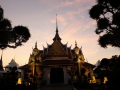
[[58, 62]]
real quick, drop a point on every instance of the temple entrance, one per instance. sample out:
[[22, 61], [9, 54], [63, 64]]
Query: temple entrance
[[56, 76]]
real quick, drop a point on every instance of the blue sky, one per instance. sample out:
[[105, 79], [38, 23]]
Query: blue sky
[[39, 16]]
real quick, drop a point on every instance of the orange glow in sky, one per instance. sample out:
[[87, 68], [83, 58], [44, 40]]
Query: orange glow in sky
[[39, 16]]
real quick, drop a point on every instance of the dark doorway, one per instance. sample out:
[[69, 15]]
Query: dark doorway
[[56, 76]]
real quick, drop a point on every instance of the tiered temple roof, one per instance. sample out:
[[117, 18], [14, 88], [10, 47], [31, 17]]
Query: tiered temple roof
[[58, 53], [12, 64]]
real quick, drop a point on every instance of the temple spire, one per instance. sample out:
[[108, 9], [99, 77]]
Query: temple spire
[[36, 44], [14, 58], [57, 37], [81, 50], [75, 43], [56, 24]]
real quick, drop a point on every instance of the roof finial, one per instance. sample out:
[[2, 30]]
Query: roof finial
[[14, 58], [57, 37], [75, 43], [86, 60], [36, 44], [56, 24]]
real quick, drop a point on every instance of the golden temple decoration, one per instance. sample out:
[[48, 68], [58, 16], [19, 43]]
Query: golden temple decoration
[[75, 43], [56, 49], [36, 44]]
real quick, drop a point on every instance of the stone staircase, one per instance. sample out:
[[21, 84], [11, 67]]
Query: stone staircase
[[57, 87]]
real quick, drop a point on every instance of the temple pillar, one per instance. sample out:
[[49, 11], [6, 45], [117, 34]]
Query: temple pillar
[[22, 74], [65, 75]]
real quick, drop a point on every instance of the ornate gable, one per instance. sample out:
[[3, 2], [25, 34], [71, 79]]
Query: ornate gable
[[56, 50]]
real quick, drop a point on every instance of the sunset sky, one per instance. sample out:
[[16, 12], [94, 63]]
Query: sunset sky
[[39, 16]]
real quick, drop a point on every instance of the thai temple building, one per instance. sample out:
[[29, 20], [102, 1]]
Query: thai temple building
[[7, 68], [11, 64], [57, 62]]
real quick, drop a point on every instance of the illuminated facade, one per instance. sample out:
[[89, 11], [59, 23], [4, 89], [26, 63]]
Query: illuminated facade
[[56, 59]]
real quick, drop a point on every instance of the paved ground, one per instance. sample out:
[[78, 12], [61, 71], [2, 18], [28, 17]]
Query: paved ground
[[57, 87]]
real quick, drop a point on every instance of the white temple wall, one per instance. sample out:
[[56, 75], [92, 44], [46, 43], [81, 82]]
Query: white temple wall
[[22, 74], [46, 76], [66, 76]]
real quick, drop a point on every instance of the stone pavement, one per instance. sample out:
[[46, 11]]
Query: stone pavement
[[57, 87]]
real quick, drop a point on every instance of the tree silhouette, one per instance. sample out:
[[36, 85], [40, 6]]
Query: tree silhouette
[[110, 68], [114, 78], [104, 63], [11, 37], [107, 16]]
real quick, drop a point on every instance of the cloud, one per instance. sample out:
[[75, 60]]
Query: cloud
[[67, 3], [77, 26], [60, 19], [73, 24], [70, 24]]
